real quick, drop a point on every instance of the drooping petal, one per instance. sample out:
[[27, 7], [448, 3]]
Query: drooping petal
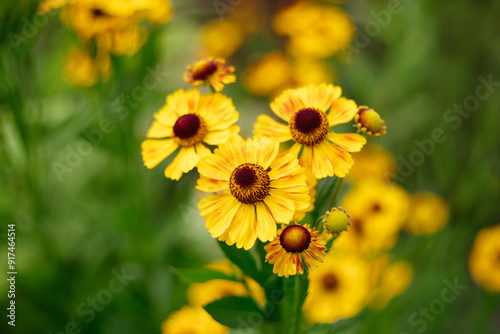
[[282, 209], [351, 142], [340, 159], [217, 137], [266, 226], [183, 163], [268, 127], [242, 231], [321, 164], [218, 211], [202, 150], [155, 151]]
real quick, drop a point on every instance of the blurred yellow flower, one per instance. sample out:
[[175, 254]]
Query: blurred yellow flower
[[220, 38], [307, 71], [186, 121], [314, 30], [259, 189], [338, 289], [310, 113], [210, 71], [193, 320], [372, 161], [81, 70], [388, 280], [378, 211], [269, 75], [428, 213], [484, 259], [201, 294], [292, 245]]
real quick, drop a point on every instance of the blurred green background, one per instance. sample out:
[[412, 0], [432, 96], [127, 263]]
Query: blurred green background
[[107, 214]]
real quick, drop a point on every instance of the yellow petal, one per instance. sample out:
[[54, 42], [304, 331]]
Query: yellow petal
[[341, 160], [268, 127], [342, 111], [351, 142], [320, 164], [266, 151], [155, 151], [218, 111], [211, 185], [159, 130], [217, 137], [242, 230], [183, 163], [321, 96], [281, 208], [218, 211], [266, 226], [202, 150], [306, 158], [287, 104]]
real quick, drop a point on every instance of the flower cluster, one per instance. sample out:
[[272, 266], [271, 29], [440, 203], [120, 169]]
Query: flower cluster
[[109, 27]]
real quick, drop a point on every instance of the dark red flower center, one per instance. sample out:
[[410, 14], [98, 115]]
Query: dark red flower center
[[295, 238], [186, 126], [307, 120], [376, 207], [245, 177], [205, 71], [330, 282], [96, 12], [357, 225]]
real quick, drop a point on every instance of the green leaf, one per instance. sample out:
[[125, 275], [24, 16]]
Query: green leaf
[[201, 275], [236, 312], [243, 259]]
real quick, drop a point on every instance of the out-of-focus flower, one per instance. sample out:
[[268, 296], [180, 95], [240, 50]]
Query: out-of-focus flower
[[378, 211], [314, 30], [210, 71], [310, 113], [369, 121], [311, 183], [388, 280], [201, 294], [193, 320], [336, 221], [372, 161], [338, 289], [269, 75], [292, 245], [220, 38], [428, 213], [186, 121], [258, 190], [484, 259], [274, 72], [82, 70]]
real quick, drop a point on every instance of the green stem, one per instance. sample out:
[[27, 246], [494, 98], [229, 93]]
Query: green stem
[[297, 310], [336, 194]]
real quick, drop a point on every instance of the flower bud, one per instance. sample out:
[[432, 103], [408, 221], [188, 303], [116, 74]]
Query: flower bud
[[336, 220], [369, 121]]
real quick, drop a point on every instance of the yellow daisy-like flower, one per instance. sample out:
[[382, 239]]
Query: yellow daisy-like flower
[[192, 320], [293, 244], [372, 162], [428, 213], [338, 289], [391, 280], [258, 189], [211, 71], [310, 113], [186, 121], [484, 259]]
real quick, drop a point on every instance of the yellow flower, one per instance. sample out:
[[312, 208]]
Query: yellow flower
[[193, 320], [82, 70], [388, 280], [314, 30], [378, 211], [307, 71], [221, 38], [484, 259], [310, 112], [210, 71], [258, 189], [369, 121], [428, 213], [201, 294], [372, 162], [338, 289], [292, 245], [186, 121], [268, 75]]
